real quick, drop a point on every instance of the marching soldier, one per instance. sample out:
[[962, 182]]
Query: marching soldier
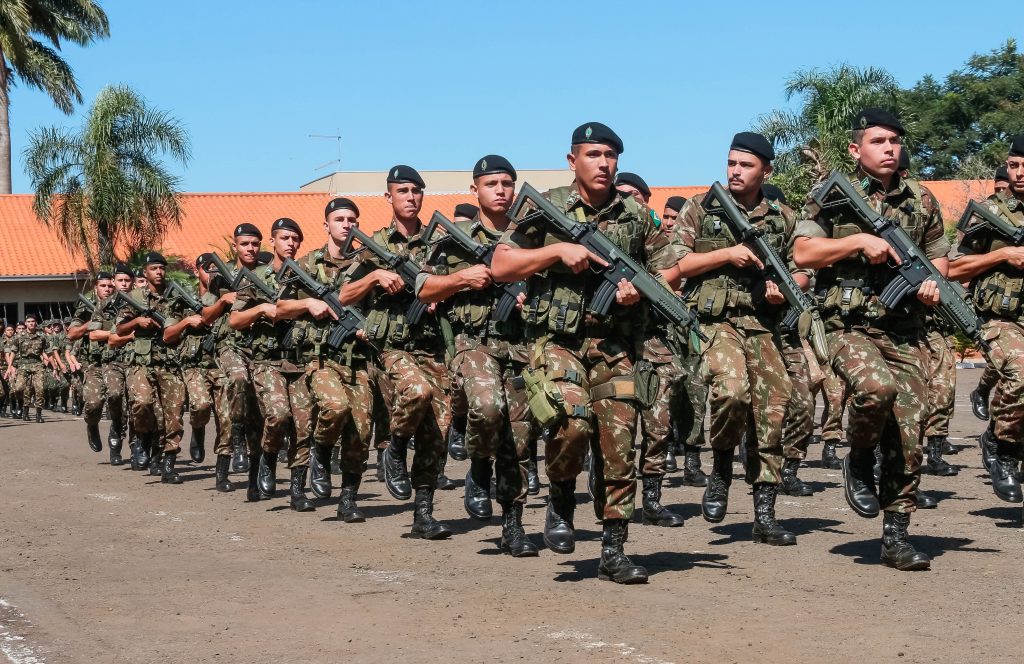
[[116, 351], [89, 355], [32, 351]]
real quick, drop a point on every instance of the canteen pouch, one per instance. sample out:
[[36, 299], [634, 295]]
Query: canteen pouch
[[647, 381], [543, 397]]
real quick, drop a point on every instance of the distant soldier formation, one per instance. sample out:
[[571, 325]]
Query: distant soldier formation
[[577, 321]]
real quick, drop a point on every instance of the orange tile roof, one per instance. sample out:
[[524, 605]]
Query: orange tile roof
[[28, 248]]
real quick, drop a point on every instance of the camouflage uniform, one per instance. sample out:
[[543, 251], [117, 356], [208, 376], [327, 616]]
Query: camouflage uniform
[[834, 392], [942, 379], [799, 423], [115, 372], [29, 350], [877, 353], [90, 356]]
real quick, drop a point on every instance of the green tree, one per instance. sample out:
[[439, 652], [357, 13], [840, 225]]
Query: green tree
[[31, 33], [811, 141], [105, 185]]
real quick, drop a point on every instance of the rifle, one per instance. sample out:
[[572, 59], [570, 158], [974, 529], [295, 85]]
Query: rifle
[[178, 292], [403, 266], [482, 254], [775, 268], [87, 303], [620, 265], [914, 268], [141, 310], [234, 278], [989, 221], [349, 319], [228, 274]]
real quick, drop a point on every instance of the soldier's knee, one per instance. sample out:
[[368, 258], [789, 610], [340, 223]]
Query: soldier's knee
[[876, 396], [734, 396]]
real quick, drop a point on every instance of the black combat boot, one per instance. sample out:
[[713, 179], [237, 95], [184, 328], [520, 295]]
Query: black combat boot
[[936, 465], [156, 454], [987, 442], [559, 535], [766, 529], [615, 564], [670, 459], [169, 476], [979, 402], [860, 490], [39, 415], [299, 501], [457, 439], [444, 483], [348, 511], [1003, 473], [336, 460], [477, 500], [513, 538], [424, 525], [532, 476], [380, 463], [26, 413], [692, 474], [93, 433], [197, 445], [252, 492], [716, 495], [139, 456], [114, 445], [64, 405], [829, 459], [396, 472], [266, 479], [791, 484], [925, 501], [239, 448], [320, 471], [224, 484], [654, 513], [897, 551]]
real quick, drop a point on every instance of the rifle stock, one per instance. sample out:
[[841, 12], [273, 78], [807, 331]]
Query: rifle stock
[[403, 266]]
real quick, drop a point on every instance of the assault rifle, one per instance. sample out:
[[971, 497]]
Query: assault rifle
[[482, 254], [178, 292], [349, 319], [234, 278], [775, 269], [914, 267], [404, 266], [989, 220], [87, 303], [141, 310], [620, 265]]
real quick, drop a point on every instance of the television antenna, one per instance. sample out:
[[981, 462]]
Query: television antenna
[[337, 139]]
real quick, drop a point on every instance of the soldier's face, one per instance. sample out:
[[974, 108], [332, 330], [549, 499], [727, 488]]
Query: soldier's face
[[339, 223], [246, 248], [104, 289], [21, 328], [1001, 186], [285, 243], [594, 165], [878, 151], [746, 172], [668, 219], [141, 281], [203, 276], [155, 273], [122, 282], [31, 325], [8, 331], [630, 190], [494, 192], [406, 200], [1015, 168]]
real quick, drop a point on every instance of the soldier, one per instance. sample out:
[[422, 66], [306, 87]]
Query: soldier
[[671, 213], [457, 430], [62, 391], [587, 361], [877, 352], [33, 352], [413, 356], [115, 355], [489, 355], [744, 368], [994, 267], [156, 393], [7, 405], [339, 379], [631, 184], [90, 354], [465, 212]]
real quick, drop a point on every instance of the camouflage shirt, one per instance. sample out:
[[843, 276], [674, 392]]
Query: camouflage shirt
[[997, 292], [191, 350], [29, 349], [148, 348], [264, 340]]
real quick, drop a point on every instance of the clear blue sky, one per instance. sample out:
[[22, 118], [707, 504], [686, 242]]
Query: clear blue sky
[[439, 84]]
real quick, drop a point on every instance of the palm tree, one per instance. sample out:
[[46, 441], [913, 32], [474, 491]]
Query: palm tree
[[31, 32], [105, 187]]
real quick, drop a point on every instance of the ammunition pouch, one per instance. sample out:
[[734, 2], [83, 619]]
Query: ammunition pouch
[[999, 294], [545, 400]]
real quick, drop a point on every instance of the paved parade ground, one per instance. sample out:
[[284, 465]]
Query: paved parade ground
[[102, 564]]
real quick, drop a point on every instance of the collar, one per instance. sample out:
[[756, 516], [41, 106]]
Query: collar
[[574, 199], [872, 185], [395, 233]]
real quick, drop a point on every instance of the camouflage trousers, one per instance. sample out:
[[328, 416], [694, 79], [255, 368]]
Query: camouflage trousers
[[1006, 357], [156, 396], [941, 384], [204, 386], [30, 384], [689, 422], [593, 379], [383, 396], [342, 412], [798, 425], [420, 408], [989, 378], [835, 395], [94, 393], [5, 387], [887, 379], [115, 378], [498, 423], [656, 421], [285, 406], [239, 398], [77, 382], [750, 393]]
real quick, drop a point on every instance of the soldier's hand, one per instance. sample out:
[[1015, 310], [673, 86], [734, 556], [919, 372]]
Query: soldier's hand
[[626, 294], [318, 309], [432, 308], [476, 277], [194, 321], [578, 258], [772, 294], [361, 334], [876, 250], [742, 256], [389, 281], [229, 297], [929, 293], [147, 323], [1014, 256], [269, 311], [520, 301]]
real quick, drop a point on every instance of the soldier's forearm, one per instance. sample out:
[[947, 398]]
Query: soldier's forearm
[[966, 268], [511, 264], [440, 287], [355, 291]]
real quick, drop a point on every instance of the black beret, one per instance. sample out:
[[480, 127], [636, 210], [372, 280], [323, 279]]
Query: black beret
[[877, 117], [340, 204], [1002, 174], [633, 180], [286, 224], [675, 203], [466, 210], [121, 268], [904, 162], [402, 173], [773, 193], [32, 316], [595, 132], [1017, 146], [754, 143], [493, 163], [154, 257], [203, 259], [246, 228], [103, 274]]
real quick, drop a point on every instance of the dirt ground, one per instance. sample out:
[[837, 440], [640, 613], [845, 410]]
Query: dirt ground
[[102, 564]]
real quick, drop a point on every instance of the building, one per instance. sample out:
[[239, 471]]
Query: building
[[345, 183]]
